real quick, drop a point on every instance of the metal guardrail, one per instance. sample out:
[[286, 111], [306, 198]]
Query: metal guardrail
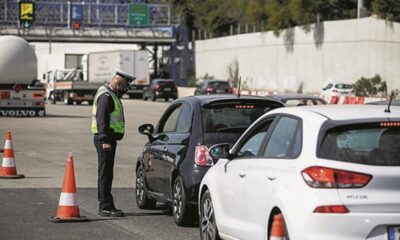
[[107, 15]]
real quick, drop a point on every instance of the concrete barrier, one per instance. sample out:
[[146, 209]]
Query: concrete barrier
[[185, 91]]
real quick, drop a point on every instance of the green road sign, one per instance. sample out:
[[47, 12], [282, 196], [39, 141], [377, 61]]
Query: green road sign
[[138, 14]]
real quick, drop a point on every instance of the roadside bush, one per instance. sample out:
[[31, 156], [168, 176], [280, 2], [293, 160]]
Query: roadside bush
[[370, 87]]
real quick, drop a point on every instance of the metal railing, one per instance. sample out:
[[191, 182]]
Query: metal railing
[[95, 15]]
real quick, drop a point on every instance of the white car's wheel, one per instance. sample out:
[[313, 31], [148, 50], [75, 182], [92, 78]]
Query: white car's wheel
[[208, 225]]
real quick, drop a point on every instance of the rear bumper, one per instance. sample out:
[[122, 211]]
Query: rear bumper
[[350, 226], [165, 94], [192, 181], [22, 112]]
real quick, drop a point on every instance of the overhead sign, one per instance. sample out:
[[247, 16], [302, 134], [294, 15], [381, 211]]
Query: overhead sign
[[138, 15], [77, 12], [26, 13]]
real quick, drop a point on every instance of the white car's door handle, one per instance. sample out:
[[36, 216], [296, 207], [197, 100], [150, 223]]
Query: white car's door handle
[[242, 174]]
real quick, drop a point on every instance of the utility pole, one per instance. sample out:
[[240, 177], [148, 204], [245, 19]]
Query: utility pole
[[361, 11]]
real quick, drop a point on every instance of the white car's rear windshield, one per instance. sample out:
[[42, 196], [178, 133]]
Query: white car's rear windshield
[[370, 144]]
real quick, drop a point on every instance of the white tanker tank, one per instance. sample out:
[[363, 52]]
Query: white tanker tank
[[21, 94], [18, 62]]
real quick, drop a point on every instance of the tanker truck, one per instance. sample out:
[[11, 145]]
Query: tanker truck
[[21, 93]]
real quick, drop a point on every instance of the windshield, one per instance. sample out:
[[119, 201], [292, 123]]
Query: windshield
[[364, 144], [343, 86]]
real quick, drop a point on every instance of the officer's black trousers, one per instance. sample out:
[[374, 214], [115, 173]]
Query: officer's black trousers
[[105, 174]]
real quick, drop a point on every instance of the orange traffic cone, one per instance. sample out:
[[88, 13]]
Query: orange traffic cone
[[68, 210], [8, 168], [278, 229]]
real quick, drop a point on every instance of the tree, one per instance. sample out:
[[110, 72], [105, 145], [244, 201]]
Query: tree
[[370, 86], [280, 16], [387, 9]]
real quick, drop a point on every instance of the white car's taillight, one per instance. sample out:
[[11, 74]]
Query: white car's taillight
[[202, 156], [323, 177]]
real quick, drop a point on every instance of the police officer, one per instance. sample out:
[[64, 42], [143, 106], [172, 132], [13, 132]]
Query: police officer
[[108, 127]]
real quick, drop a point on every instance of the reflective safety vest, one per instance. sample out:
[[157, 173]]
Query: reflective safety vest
[[117, 121]]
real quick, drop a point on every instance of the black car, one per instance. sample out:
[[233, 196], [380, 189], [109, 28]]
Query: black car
[[298, 99], [213, 87], [175, 159], [161, 88]]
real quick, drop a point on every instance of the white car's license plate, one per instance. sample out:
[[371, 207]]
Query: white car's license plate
[[167, 89], [394, 233]]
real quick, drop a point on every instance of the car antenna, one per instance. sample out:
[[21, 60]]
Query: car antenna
[[240, 81], [387, 110]]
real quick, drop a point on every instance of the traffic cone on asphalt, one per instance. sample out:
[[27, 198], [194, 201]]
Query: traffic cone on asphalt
[[8, 168], [68, 210], [278, 229]]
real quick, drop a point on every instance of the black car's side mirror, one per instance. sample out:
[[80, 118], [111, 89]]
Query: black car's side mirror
[[220, 151], [148, 130]]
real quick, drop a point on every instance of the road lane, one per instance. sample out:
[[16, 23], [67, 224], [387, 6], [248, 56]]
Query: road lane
[[41, 147]]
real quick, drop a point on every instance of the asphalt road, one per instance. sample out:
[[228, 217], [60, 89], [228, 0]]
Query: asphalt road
[[41, 148]]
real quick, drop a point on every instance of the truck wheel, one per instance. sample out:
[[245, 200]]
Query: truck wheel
[[144, 97], [67, 100], [52, 99]]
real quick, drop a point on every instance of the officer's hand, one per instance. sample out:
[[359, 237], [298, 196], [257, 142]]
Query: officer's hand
[[106, 147]]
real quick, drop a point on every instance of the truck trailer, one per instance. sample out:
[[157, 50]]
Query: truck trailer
[[21, 93], [79, 85], [102, 66]]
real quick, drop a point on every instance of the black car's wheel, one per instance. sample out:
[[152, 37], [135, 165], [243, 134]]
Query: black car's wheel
[[142, 200], [181, 211], [166, 99], [208, 226]]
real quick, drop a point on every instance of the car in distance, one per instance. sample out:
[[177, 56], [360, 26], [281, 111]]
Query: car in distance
[[337, 89], [174, 160], [160, 88], [213, 87], [331, 171], [298, 99]]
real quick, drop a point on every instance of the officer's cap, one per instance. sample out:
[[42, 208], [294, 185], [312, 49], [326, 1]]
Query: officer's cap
[[125, 75]]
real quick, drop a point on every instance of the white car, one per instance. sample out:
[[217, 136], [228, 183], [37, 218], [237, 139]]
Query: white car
[[333, 172], [336, 89]]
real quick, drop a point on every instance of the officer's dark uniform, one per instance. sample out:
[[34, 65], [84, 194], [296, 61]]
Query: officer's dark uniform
[[108, 126], [105, 106]]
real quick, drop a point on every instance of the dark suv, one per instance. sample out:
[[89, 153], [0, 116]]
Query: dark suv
[[213, 87], [160, 88], [176, 157]]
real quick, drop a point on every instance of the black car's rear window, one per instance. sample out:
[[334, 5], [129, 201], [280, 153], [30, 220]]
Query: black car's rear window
[[226, 122], [219, 85], [370, 144], [165, 83]]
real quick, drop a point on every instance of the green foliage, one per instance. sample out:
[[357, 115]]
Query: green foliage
[[370, 86], [280, 16], [218, 16], [387, 9]]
